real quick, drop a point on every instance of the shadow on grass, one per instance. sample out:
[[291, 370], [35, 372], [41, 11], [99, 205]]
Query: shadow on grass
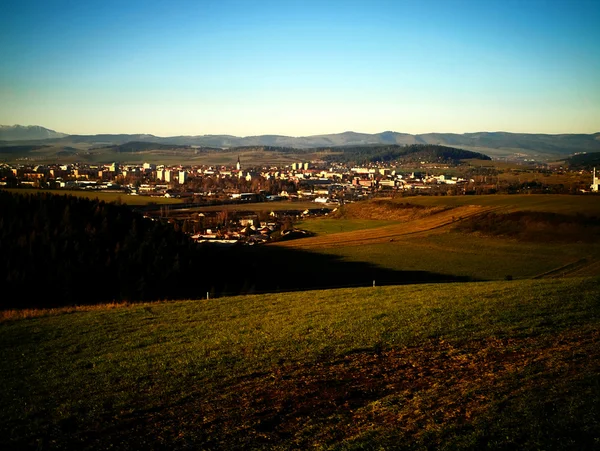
[[263, 269], [208, 269]]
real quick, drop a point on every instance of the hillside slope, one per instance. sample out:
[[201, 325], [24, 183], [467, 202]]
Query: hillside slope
[[503, 365], [414, 221], [584, 161], [495, 144], [413, 153], [27, 132], [479, 237]]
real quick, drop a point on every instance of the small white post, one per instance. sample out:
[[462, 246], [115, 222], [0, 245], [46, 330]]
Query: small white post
[[373, 283], [207, 295]]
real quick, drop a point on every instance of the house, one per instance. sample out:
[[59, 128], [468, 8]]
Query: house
[[284, 213], [264, 230], [249, 221], [249, 197]]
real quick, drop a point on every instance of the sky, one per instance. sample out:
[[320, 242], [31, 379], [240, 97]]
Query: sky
[[300, 68]]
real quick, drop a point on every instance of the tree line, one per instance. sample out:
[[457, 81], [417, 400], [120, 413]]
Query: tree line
[[62, 250]]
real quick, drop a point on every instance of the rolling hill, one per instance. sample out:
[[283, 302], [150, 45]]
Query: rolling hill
[[495, 144], [27, 132], [405, 154], [584, 161], [480, 237], [495, 365]]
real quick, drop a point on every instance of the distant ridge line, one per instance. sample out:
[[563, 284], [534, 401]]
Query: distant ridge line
[[497, 144]]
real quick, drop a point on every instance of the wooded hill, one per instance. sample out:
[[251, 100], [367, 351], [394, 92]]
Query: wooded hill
[[584, 161], [141, 146], [405, 154], [59, 250]]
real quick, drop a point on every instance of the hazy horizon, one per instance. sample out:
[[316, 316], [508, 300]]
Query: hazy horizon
[[301, 68], [295, 136]]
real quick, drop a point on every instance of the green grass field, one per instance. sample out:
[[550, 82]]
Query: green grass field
[[87, 154], [100, 195], [552, 203], [495, 365], [477, 257], [322, 226], [427, 240], [261, 206]]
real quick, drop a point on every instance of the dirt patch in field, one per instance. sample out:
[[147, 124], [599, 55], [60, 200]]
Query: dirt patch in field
[[411, 391], [535, 392]]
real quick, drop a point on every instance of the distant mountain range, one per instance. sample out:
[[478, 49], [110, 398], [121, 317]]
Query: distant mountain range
[[495, 144], [27, 132]]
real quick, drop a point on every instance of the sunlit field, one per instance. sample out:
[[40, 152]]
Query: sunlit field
[[480, 258], [493, 365], [324, 226], [428, 239], [100, 195], [555, 203]]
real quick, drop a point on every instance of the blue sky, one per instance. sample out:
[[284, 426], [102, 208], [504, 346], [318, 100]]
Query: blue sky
[[301, 67]]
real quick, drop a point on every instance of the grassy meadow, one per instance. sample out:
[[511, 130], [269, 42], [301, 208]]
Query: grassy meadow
[[259, 207], [494, 365], [421, 234], [480, 258], [86, 153], [552, 203], [100, 195], [332, 225]]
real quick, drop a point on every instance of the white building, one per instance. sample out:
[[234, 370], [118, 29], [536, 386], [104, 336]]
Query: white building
[[595, 182], [182, 177]]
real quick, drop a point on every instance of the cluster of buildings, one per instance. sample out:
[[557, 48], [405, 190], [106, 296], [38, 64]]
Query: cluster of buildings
[[317, 180], [246, 227]]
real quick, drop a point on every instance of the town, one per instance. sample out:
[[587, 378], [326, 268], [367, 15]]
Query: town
[[317, 180], [328, 185]]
